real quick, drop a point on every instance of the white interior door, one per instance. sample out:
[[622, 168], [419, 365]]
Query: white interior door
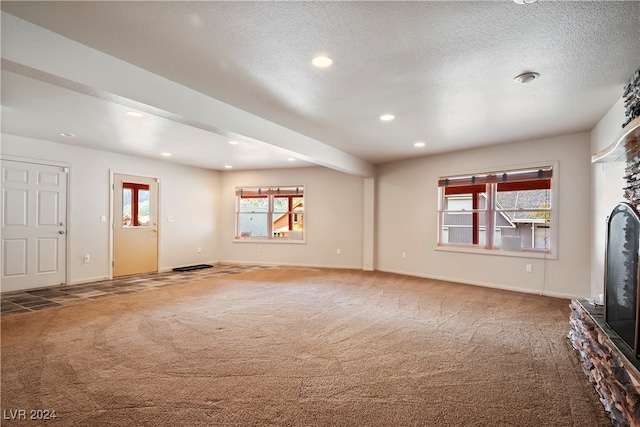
[[135, 231], [34, 215]]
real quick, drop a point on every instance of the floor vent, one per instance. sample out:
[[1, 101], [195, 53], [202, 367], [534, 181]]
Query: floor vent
[[193, 267]]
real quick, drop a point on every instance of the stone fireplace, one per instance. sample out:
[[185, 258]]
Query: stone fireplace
[[607, 362], [607, 336], [606, 333]]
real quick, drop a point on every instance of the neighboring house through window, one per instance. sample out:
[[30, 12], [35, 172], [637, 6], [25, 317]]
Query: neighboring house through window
[[270, 213], [493, 210]]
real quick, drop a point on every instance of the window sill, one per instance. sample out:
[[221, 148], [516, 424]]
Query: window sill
[[498, 252], [265, 240]]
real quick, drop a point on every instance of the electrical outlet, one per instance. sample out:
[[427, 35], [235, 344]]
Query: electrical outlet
[[86, 259], [528, 268], [199, 250]]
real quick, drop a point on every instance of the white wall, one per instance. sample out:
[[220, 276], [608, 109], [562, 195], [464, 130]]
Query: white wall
[[333, 219], [188, 194], [203, 205], [607, 190], [407, 218]]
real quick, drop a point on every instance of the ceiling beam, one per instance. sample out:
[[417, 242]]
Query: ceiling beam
[[40, 54]]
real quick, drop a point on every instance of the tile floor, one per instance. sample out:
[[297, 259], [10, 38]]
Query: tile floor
[[56, 296]]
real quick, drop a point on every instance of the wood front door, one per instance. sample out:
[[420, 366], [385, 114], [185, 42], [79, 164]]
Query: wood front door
[[135, 219], [34, 225]]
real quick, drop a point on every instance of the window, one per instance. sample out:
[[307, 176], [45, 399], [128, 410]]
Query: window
[[497, 210], [270, 213], [135, 204]]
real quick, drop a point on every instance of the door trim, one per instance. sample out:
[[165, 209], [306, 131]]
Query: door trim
[[112, 173], [69, 227]]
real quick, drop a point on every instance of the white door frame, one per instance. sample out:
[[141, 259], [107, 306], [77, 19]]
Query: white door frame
[[112, 174], [67, 168]]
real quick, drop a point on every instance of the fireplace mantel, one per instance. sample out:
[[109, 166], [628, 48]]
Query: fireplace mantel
[[617, 151]]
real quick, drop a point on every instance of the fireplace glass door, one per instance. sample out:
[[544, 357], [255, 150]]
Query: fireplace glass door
[[621, 276]]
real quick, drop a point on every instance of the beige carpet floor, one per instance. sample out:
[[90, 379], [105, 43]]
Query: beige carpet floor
[[299, 347]]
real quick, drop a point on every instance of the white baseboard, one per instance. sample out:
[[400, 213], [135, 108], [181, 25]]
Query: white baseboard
[[289, 264], [486, 285], [87, 280]]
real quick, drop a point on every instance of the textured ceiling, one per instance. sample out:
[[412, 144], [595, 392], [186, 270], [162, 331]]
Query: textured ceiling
[[444, 69]]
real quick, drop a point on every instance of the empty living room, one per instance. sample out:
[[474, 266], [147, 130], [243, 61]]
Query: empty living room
[[319, 213]]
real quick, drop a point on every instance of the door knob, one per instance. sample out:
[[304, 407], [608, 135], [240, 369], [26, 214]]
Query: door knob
[[61, 232]]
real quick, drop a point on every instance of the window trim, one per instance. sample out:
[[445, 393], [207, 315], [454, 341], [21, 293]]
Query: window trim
[[552, 253]]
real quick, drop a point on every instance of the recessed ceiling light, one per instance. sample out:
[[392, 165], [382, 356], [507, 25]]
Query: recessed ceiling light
[[322, 61], [166, 154], [525, 78], [228, 166], [387, 117], [66, 135], [291, 159], [524, 1], [234, 142], [134, 114], [419, 144]]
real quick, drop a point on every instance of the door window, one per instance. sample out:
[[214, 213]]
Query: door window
[[135, 205]]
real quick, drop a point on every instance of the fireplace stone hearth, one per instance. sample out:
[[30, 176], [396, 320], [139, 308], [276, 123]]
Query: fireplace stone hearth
[[608, 363]]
